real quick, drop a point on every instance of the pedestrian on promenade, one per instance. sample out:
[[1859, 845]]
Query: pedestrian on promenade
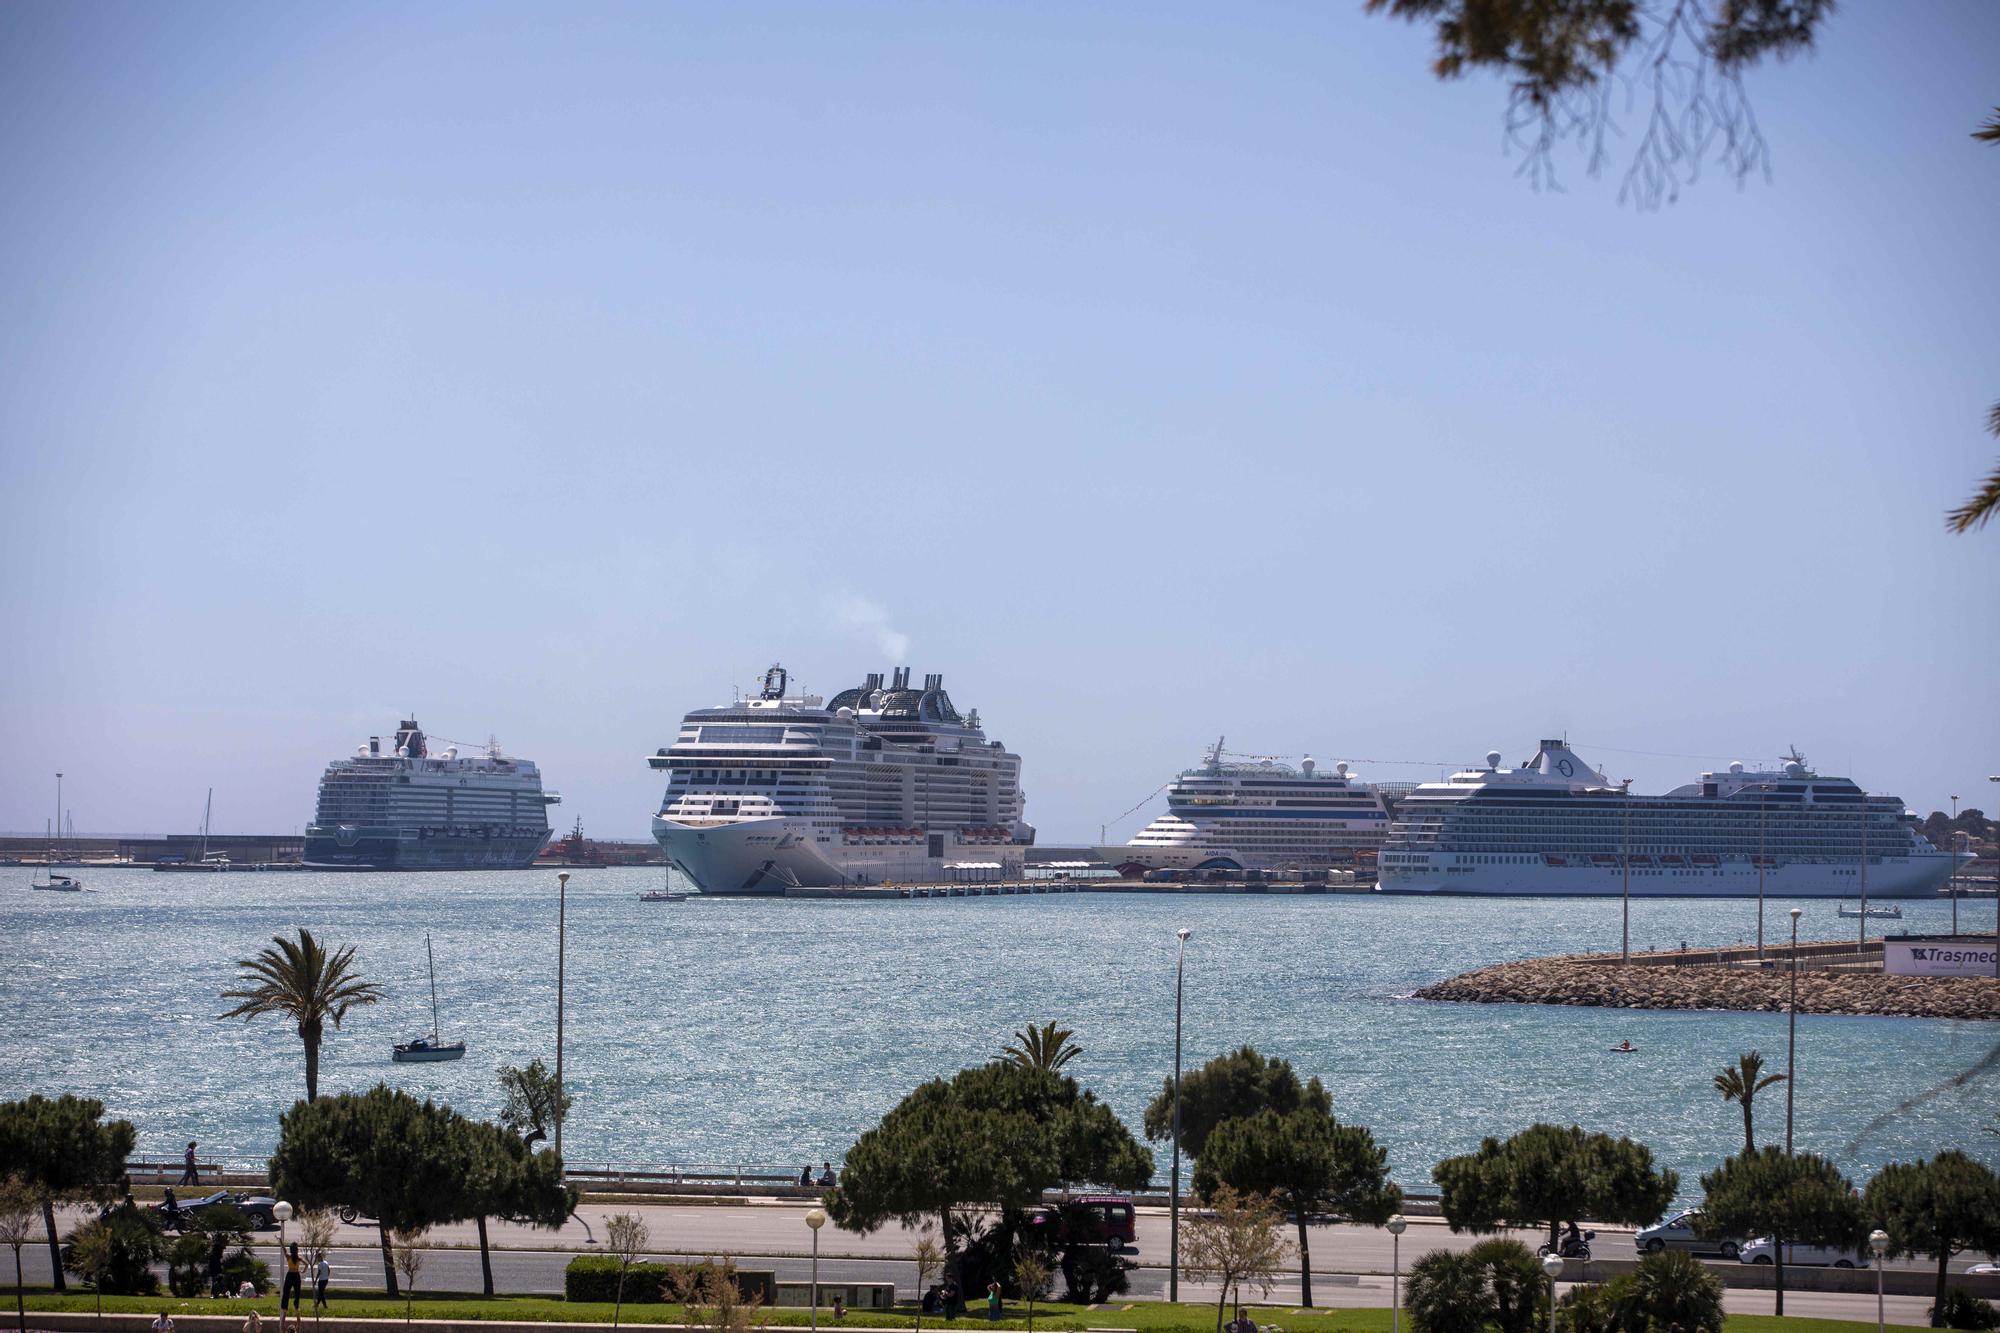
[[992, 1300], [189, 1176], [322, 1274], [953, 1307], [826, 1173], [806, 1174], [839, 1309], [289, 1296], [163, 1323]]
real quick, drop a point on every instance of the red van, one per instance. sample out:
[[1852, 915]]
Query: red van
[[1093, 1219]]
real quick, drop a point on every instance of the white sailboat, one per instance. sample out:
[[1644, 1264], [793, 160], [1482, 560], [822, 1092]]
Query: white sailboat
[[51, 882], [211, 862], [425, 1050]]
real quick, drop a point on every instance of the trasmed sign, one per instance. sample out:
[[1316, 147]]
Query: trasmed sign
[[1937, 958]]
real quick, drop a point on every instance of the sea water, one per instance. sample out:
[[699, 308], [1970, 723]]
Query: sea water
[[757, 1031]]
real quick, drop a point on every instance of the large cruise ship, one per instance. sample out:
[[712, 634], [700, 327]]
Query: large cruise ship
[[401, 808], [1557, 826], [881, 783], [1259, 815]]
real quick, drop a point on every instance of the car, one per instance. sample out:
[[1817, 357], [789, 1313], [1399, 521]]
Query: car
[[1983, 1270], [259, 1208], [1682, 1232], [1763, 1251], [1093, 1219]]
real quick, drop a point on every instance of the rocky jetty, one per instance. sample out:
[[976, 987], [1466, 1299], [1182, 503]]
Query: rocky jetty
[[1598, 980]]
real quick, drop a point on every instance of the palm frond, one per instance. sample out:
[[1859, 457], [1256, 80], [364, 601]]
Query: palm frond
[[1985, 501], [1990, 131]]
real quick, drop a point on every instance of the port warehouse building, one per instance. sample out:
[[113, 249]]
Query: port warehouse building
[[144, 849]]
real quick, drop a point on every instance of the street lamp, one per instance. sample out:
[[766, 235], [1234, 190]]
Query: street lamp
[[1395, 1226], [283, 1212], [815, 1218], [562, 942], [1953, 838], [1625, 930], [1553, 1266], [1878, 1241], [1174, 1186], [1792, 1035]]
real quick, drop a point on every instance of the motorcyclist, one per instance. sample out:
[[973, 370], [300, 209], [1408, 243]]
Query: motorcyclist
[[1572, 1241]]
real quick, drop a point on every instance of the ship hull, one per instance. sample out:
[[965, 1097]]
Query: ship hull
[[407, 849], [1919, 876], [768, 857]]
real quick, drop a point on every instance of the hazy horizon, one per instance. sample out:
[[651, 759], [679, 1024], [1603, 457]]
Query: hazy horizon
[[1153, 372]]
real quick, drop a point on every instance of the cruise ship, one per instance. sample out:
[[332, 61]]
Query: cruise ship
[[398, 807], [1258, 814], [881, 783], [1557, 826]]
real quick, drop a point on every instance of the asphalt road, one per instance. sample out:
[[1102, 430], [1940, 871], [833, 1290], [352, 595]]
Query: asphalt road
[[1351, 1264]]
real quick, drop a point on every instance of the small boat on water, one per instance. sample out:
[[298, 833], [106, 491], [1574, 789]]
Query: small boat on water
[[1892, 913], [429, 1049], [51, 882], [662, 896]]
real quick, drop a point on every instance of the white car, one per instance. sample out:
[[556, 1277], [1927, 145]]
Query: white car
[[1983, 1270], [1678, 1233], [1763, 1251]]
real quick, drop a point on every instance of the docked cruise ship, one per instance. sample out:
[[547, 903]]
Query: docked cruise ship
[[1557, 826], [398, 807], [1259, 815], [881, 783]]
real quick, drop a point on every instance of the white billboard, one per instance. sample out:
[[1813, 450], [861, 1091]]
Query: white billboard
[[1937, 958]]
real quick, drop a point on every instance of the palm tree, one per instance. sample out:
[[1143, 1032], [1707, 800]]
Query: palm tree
[[300, 979], [1985, 501], [1047, 1048], [1742, 1084]]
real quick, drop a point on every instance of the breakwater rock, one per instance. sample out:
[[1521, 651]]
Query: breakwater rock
[[1595, 980]]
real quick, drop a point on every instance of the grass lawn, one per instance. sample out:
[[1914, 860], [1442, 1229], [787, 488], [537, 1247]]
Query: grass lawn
[[1144, 1316]]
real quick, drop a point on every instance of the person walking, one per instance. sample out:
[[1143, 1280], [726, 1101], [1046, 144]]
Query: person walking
[[293, 1290], [322, 1274], [189, 1176]]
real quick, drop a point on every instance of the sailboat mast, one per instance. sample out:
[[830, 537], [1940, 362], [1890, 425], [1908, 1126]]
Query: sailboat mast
[[55, 843], [207, 807], [432, 955]]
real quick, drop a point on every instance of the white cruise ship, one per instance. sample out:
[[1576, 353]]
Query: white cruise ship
[[1557, 826], [1259, 815], [879, 784], [400, 807]]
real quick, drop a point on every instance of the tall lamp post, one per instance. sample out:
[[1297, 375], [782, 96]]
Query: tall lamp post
[[1553, 1266], [1174, 1186], [1996, 905], [562, 948], [283, 1212], [1878, 1241], [1395, 1226], [1625, 930], [1953, 839], [816, 1218], [1792, 1034]]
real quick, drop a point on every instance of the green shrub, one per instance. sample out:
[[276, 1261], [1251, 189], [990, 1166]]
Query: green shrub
[[1446, 1294], [1962, 1309], [133, 1247], [1595, 1308], [1093, 1274], [1517, 1290], [594, 1278], [1675, 1288]]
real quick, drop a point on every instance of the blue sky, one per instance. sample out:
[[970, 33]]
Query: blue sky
[[1153, 371]]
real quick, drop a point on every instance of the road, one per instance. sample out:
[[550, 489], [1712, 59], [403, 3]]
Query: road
[[1351, 1264]]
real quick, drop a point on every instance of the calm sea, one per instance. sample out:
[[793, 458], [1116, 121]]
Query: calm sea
[[719, 1031]]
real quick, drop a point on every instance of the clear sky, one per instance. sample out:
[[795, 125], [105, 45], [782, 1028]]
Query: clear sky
[[1154, 371]]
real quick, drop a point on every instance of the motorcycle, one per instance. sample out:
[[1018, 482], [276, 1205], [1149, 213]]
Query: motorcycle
[[1572, 1247]]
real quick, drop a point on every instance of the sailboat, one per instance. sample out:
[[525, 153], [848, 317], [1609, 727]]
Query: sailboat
[[212, 862], [426, 1049], [51, 882]]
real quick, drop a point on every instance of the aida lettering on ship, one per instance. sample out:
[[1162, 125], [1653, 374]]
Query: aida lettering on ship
[[1557, 826], [1257, 813], [401, 808], [881, 783]]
